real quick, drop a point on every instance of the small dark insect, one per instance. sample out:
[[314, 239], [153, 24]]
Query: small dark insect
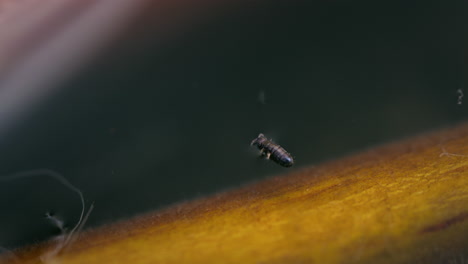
[[273, 151]]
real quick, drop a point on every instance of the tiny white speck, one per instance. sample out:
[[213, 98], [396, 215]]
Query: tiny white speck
[[460, 96]]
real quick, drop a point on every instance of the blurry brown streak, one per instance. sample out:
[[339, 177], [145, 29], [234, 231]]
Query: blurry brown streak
[[44, 43], [35, 28], [16, 44], [446, 223]]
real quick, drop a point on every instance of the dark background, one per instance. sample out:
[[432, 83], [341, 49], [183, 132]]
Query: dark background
[[151, 123]]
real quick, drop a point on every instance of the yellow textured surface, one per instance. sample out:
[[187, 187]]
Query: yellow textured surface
[[399, 203]]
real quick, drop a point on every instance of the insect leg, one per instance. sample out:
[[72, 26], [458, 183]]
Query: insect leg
[[265, 153]]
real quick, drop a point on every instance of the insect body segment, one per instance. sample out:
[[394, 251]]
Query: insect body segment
[[273, 151]]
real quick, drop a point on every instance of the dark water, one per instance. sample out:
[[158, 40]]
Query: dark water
[[159, 123]]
